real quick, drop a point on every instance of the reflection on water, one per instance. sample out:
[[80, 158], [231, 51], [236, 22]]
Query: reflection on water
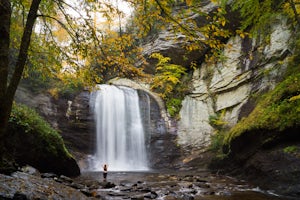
[[179, 185]]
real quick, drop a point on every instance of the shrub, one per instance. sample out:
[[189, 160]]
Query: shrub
[[173, 106], [169, 82]]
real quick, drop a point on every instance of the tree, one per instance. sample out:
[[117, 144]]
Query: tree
[[8, 86], [167, 75], [168, 83], [39, 25], [116, 58]]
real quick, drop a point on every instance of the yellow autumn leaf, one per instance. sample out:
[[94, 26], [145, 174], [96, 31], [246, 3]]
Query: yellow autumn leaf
[[250, 57], [223, 23], [294, 98], [242, 35], [189, 2]]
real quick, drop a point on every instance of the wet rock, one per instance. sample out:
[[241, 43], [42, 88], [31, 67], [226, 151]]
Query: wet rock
[[20, 196], [25, 186], [107, 185], [199, 180], [48, 175], [125, 183], [187, 197], [188, 179], [202, 185], [65, 179], [170, 197], [146, 190], [88, 183], [117, 194], [87, 192], [79, 186], [209, 192], [125, 189], [137, 197], [151, 195], [30, 170]]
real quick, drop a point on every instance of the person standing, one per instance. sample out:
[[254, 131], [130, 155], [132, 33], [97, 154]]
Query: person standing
[[104, 171]]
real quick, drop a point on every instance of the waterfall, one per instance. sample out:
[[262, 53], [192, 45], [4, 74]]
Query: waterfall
[[120, 135]]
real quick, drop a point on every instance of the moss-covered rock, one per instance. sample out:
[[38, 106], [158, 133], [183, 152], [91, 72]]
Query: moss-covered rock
[[264, 146], [33, 142], [279, 110]]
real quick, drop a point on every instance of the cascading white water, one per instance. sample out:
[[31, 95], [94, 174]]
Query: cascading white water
[[119, 130]]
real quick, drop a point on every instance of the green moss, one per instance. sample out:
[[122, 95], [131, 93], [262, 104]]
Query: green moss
[[216, 141], [217, 121], [290, 149], [173, 106], [30, 122], [278, 110]]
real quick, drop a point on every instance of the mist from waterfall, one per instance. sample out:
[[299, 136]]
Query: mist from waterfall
[[120, 135]]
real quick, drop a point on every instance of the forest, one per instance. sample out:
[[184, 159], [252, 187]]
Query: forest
[[63, 47]]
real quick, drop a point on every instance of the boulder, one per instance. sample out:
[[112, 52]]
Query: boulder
[[46, 153], [25, 186], [45, 161]]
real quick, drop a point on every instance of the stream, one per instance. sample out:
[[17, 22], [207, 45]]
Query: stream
[[175, 185]]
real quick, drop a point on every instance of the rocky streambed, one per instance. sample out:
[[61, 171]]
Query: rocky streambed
[[168, 185]]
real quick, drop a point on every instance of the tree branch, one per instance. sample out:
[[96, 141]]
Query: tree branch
[[60, 23], [292, 3], [23, 52]]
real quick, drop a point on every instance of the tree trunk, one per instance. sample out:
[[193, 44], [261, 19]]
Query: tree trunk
[[8, 90], [292, 3], [5, 18]]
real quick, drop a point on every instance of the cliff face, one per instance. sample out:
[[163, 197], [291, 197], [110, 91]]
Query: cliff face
[[226, 89], [74, 120], [71, 117], [225, 92]]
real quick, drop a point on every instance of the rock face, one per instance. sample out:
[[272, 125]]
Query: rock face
[[74, 119], [171, 44], [27, 152], [265, 162], [225, 90], [33, 143], [71, 117], [76, 123]]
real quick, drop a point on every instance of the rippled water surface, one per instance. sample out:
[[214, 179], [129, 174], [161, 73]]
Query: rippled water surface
[[171, 185]]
